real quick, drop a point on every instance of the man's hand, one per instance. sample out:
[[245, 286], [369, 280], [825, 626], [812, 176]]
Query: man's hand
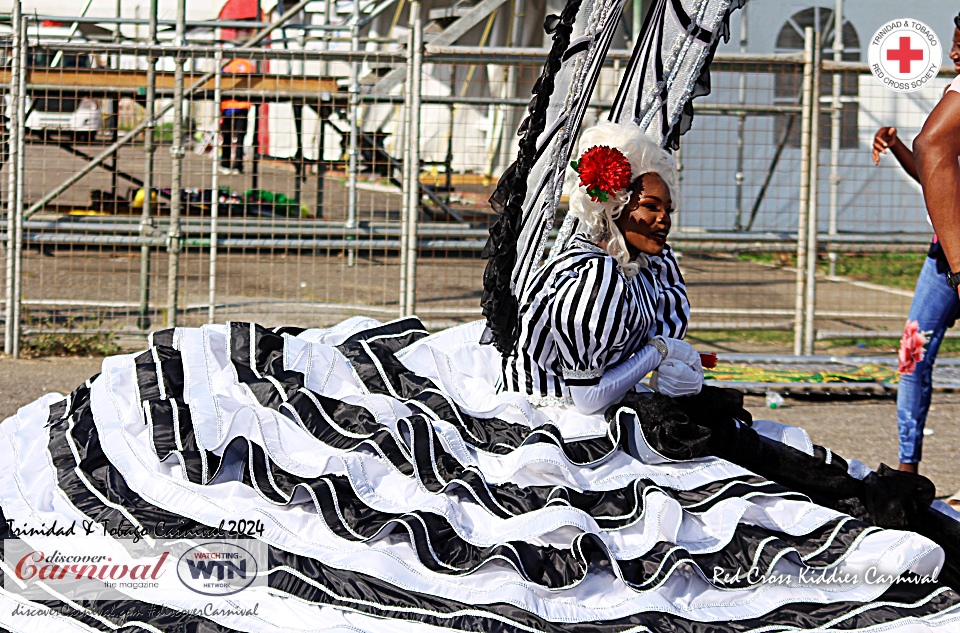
[[885, 138]]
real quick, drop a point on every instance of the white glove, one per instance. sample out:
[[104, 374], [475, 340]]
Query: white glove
[[680, 350], [675, 379]]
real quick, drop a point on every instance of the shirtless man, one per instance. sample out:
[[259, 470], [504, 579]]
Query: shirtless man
[[936, 152]]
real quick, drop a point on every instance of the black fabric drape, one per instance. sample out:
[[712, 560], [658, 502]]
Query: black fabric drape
[[714, 422]]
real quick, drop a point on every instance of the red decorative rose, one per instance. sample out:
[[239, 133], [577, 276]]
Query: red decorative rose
[[912, 345], [603, 171]]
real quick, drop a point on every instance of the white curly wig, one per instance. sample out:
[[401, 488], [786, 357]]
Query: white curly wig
[[645, 157]]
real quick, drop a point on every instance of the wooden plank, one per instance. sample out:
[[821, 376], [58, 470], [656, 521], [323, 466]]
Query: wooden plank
[[101, 80]]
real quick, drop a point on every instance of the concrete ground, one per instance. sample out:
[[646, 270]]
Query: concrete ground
[[23, 380], [861, 429], [320, 288], [867, 430]]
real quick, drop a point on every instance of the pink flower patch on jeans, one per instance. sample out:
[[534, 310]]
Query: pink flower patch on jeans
[[912, 345]]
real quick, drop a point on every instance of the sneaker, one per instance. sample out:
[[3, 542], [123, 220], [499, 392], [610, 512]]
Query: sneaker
[[236, 172], [226, 171]]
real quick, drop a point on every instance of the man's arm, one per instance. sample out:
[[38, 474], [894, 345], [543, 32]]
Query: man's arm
[[886, 138], [935, 151], [905, 157]]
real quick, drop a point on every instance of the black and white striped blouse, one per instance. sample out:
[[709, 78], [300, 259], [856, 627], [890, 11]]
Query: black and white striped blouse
[[580, 315], [673, 308]]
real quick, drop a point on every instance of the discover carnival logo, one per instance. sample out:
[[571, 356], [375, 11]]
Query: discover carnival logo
[[905, 55], [38, 566]]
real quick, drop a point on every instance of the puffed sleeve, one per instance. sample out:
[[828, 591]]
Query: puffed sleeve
[[588, 319], [673, 307]]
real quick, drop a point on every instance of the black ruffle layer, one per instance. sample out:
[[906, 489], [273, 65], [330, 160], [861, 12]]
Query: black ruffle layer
[[499, 304]]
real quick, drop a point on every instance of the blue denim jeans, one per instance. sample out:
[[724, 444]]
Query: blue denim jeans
[[935, 307]]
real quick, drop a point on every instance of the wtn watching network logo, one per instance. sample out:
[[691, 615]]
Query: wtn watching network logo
[[217, 568]]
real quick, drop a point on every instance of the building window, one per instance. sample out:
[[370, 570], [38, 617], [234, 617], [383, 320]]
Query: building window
[[787, 86]]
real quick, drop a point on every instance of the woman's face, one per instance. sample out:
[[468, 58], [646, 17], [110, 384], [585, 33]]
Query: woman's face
[[645, 220]]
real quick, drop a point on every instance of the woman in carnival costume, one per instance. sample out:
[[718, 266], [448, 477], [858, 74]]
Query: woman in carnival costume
[[400, 481], [612, 307], [614, 298]]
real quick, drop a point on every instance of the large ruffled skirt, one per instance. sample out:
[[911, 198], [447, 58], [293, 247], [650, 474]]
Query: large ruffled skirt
[[395, 490]]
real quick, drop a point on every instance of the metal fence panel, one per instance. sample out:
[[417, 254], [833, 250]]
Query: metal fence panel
[[282, 191]]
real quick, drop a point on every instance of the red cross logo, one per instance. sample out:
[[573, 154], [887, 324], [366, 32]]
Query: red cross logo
[[905, 55]]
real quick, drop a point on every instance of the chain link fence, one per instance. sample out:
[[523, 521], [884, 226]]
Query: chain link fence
[[147, 185]]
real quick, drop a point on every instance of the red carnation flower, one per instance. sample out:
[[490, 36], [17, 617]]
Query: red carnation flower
[[603, 171]]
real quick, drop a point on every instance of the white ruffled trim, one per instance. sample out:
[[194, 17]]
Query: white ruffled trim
[[548, 401]]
